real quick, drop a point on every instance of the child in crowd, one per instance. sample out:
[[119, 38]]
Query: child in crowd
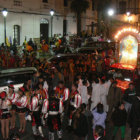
[[99, 116], [119, 118]]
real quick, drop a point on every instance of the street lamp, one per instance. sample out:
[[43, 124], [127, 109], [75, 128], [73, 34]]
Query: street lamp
[[110, 12], [129, 17], [52, 14], [5, 12], [128, 13]]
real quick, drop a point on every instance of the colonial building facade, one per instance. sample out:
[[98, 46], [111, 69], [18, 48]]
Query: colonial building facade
[[127, 13], [31, 19]]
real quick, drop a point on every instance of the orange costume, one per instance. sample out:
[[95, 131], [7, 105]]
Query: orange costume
[[59, 92]]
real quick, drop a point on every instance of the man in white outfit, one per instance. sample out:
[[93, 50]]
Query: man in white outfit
[[84, 92], [95, 97]]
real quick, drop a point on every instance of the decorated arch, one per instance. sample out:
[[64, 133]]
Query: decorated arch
[[128, 50]]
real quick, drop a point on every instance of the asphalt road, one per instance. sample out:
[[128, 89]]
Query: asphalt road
[[66, 134]]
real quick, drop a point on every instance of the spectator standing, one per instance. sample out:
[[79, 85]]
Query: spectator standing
[[129, 96], [89, 117], [103, 92], [99, 116], [114, 96], [134, 117], [84, 92], [95, 93], [119, 118]]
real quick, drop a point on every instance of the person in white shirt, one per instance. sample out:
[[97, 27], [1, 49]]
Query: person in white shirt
[[4, 114], [84, 92], [80, 84], [104, 88], [99, 116], [95, 97], [12, 97], [21, 104], [103, 94]]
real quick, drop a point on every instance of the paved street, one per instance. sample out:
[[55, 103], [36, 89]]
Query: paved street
[[67, 135]]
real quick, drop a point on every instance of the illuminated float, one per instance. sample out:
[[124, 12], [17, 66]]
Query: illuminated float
[[128, 48]]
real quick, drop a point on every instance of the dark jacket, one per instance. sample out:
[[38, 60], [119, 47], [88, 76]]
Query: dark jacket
[[114, 96], [119, 117], [81, 129], [129, 95], [134, 117]]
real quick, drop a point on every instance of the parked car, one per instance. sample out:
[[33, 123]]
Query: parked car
[[64, 57], [86, 50], [16, 76], [62, 50]]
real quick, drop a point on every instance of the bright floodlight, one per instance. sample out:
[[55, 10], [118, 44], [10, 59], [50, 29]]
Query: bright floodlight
[[128, 13], [52, 12], [110, 12], [4, 12]]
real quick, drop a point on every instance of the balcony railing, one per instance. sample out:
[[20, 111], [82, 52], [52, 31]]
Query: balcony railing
[[131, 10]]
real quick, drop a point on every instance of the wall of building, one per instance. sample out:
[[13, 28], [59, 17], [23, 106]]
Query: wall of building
[[30, 13], [121, 18]]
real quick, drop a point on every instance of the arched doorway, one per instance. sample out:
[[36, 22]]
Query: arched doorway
[[44, 29]]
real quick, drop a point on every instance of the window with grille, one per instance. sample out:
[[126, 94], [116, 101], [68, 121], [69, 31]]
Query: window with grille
[[45, 1], [17, 3], [17, 34]]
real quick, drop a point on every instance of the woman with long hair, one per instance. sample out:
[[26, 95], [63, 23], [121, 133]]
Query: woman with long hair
[[12, 97], [21, 104], [4, 115]]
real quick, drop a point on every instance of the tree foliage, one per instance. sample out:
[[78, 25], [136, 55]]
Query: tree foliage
[[102, 8], [79, 7]]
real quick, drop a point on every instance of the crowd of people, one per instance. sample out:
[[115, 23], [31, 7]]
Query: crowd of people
[[45, 99], [80, 90]]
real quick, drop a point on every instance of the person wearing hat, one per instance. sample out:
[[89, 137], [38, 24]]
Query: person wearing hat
[[12, 97], [21, 104], [59, 90], [35, 107], [52, 110], [4, 114], [43, 92]]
